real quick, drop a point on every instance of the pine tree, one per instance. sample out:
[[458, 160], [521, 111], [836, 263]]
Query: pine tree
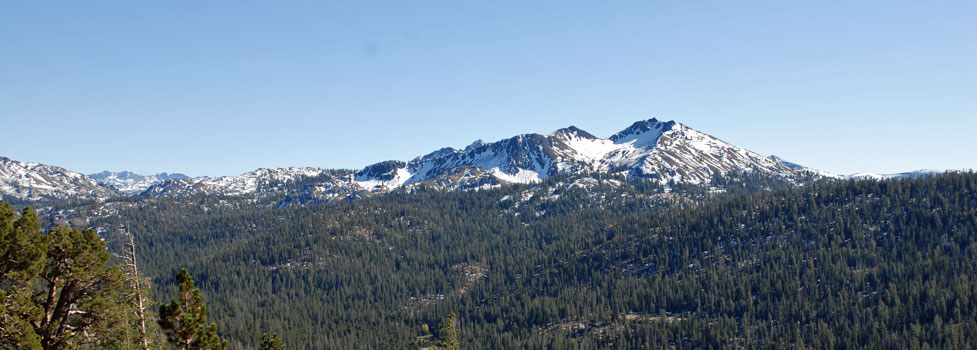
[[80, 291], [57, 289], [271, 343], [448, 334], [185, 320], [21, 261]]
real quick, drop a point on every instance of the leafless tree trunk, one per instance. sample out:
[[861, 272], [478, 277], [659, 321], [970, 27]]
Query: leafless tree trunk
[[135, 282]]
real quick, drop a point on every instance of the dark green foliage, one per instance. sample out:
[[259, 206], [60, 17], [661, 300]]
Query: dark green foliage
[[271, 343], [21, 261], [448, 334], [78, 289], [21, 244], [184, 320], [844, 265], [57, 289]]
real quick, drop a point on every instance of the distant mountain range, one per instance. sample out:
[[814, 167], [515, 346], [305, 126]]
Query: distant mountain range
[[650, 150], [131, 183], [653, 150], [909, 174], [261, 180]]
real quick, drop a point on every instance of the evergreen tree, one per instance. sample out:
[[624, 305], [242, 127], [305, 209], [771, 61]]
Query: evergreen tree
[[834, 265], [78, 290], [185, 320], [58, 290], [448, 334], [271, 343], [21, 261]]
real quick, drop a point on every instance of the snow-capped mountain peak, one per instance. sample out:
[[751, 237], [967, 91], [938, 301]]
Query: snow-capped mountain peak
[[650, 149], [573, 132], [670, 151]]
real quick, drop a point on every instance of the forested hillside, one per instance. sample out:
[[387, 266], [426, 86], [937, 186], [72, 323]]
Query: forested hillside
[[419, 175], [850, 264]]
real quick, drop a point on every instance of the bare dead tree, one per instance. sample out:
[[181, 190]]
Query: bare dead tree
[[135, 282]]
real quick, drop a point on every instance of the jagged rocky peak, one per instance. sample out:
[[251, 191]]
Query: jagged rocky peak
[[386, 170], [572, 132], [131, 183], [643, 132], [527, 152], [510, 145], [445, 151], [478, 143]]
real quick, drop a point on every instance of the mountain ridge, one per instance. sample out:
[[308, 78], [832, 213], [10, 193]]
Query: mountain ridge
[[131, 183], [650, 150], [34, 181]]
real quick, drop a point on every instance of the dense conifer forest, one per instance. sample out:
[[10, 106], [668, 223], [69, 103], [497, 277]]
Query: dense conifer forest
[[747, 262]]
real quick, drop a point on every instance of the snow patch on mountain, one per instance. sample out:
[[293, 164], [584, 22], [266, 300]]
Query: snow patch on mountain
[[585, 147], [34, 181], [522, 176]]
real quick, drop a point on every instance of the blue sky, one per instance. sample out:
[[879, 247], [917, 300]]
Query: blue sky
[[224, 87]]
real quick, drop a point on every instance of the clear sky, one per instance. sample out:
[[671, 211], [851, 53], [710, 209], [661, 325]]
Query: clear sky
[[224, 87]]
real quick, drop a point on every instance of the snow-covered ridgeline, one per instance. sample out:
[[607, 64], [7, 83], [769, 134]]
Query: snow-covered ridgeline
[[131, 183], [661, 151], [649, 149], [244, 184], [33, 181]]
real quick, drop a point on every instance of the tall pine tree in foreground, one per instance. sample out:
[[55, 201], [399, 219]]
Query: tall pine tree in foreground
[[185, 320], [57, 289], [21, 261]]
